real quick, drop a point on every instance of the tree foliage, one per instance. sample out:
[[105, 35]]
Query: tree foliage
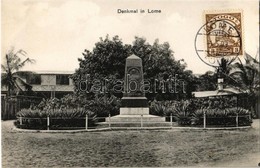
[[207, 81], [242, 74], [246, 75], [107, 60]]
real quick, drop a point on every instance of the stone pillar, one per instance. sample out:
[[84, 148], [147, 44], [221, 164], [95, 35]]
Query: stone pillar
[[134, 95], [134, 100]]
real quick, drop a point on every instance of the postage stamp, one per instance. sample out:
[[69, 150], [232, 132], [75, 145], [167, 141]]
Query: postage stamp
[[221, 36], [224, 34]]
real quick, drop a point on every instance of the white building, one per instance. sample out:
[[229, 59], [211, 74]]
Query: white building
[[47, 84]]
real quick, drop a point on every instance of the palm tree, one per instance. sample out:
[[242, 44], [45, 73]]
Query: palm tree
[[246, 74], [10, 67], [224, 68], [246, 77]]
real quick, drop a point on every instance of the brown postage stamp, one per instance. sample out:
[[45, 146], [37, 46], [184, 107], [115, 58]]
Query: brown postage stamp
[[224, 34]]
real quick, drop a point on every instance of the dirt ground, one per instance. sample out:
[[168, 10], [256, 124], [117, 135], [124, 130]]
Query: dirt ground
[[149, 148], [249, 160]]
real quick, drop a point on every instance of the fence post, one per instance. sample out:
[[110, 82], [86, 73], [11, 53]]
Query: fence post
[[204, 119], [86, 122], [237, 120], [171, 119], [5, 112], [21, 120], [141, 120], [48, 123], [109, 120]]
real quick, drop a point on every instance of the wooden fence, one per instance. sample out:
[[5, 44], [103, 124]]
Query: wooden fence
[[10, 106]]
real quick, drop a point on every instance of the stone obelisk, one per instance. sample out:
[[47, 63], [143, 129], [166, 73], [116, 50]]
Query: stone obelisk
[[134, 101]]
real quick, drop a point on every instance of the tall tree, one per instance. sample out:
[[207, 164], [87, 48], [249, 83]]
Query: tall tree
[[207, 81], [11, 65], [159, 63], [107, 60]]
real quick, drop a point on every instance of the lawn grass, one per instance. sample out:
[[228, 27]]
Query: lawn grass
[[126, 148]]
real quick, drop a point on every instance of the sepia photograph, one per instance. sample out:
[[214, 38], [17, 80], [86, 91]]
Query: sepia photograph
[[133, 83]]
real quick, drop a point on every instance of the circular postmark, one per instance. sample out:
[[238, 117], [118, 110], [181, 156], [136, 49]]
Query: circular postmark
[[217, 39]]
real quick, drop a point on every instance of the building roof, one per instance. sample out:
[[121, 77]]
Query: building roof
[[52, 72], [224, 92]]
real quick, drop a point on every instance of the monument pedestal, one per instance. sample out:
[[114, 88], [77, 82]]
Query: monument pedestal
[[135, 115], [134, 102], [134, 111]]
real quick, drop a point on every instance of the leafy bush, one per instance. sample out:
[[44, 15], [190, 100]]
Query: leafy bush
[[222, 117], [68, 101], [103, 106], [215, 102], [240, 111], [69, 111], [182, 112], [55, 113], [190, 112], [161, 108], [65, 117]]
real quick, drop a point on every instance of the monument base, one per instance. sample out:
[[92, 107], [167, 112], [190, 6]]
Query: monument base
[[130, 114], [134, 102], [134, 111]]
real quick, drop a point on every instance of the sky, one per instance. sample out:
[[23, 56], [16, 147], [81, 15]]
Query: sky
[[55, 33]]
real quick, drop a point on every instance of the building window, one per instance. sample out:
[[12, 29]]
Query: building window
[[62, 80], [34, 79]]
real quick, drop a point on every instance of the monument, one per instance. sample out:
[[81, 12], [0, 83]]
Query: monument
[[134, 106], [134, 100]]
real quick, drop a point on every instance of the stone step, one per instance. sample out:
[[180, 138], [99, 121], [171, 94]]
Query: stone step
[[136, 118], [124, 124]]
